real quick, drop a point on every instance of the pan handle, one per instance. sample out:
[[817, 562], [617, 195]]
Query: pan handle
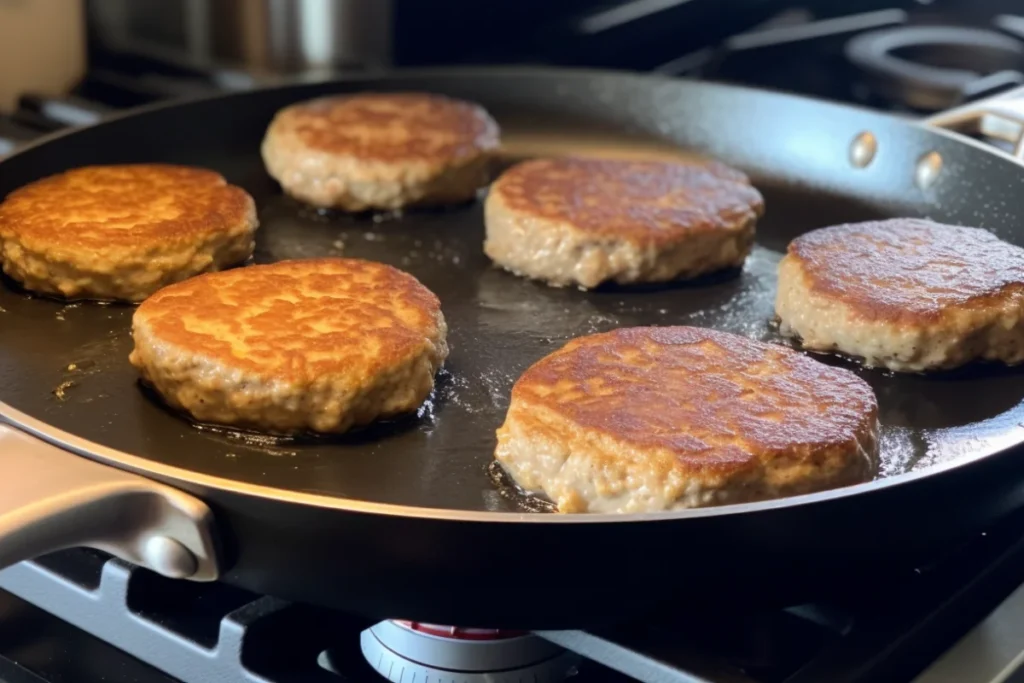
[[52, 499], [1000, 116]]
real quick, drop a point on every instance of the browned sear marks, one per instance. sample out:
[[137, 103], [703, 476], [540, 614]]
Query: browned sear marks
[[135, 206], [905, 269], [311, 345], [123, 232], [297, 320], [712, 398], [655, 418], [392, 126], [652, 202]]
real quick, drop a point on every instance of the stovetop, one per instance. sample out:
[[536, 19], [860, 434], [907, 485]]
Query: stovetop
[[80, 616], [119, 623]]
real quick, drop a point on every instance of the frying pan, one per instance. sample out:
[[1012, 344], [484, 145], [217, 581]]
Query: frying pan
[[405, 519]]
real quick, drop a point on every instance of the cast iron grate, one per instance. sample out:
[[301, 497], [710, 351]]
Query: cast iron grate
[[888, 630]]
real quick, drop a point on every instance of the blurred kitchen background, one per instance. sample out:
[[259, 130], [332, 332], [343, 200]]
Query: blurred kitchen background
[[65, 62]]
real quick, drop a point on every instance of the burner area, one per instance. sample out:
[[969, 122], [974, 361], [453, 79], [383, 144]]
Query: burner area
[[916, 60], [936, 67], [408, 651], [117, 623]]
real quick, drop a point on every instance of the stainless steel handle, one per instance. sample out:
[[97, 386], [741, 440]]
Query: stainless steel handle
[[52, 499], [1000, 117]]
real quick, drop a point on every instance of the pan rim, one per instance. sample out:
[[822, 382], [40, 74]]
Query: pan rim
[[189, 479], [557, 73], [178, 476]]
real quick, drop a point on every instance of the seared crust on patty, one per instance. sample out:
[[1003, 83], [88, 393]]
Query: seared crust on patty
[[585, 221], [381, 150], [123, 232], [659, 418], [907, 294], [319, 344]]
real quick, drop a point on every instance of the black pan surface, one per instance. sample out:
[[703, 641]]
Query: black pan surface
[[72, 368], [395, 521], [67, 364]]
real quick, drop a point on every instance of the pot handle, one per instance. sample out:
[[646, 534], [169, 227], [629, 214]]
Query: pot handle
[[1000, 116], [52, 499]]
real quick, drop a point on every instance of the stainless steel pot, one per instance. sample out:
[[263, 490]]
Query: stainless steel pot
[[281, 37]]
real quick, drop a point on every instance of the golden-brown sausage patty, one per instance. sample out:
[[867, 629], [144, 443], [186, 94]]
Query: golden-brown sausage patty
[[660, 418], [381, 150], [585, 221], [319, 344], [123, 232], [907, 294]]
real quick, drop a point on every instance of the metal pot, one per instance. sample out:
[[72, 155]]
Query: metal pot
[[269, 36]]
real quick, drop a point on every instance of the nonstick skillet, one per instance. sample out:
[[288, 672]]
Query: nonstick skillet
[[404, 519]]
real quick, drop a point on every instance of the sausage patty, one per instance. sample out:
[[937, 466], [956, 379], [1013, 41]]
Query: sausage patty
[[661, 418], [906, 294], [319, 344], [585, 221], [381, 150], [123, 232]]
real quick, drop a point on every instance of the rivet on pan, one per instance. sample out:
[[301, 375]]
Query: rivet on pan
[[928, 168], [863, 149]]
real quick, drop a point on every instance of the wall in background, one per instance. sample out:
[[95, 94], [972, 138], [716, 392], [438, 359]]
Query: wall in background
[[42, 47]]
